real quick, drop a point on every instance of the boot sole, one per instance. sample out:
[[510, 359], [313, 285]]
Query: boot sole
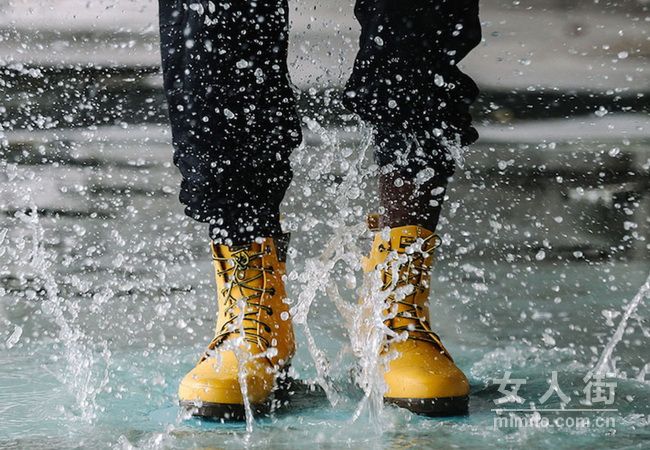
[[433, 407], [223, 411]]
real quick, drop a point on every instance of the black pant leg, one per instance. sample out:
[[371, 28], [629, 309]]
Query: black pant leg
[[231, 109], [406, 82]]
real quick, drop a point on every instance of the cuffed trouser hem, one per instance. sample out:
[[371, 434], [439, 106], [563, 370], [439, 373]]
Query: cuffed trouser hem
[[409, 153]]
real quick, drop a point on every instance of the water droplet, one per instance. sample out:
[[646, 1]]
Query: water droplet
[[15, 336], [614, 152]]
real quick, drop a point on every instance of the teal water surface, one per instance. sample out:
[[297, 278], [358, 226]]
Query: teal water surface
[[107, 300]]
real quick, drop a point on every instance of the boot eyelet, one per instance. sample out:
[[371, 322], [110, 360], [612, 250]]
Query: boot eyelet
[[241, 259], [270, 312]]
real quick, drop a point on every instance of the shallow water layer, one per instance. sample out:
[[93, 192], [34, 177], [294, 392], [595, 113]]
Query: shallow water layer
[[107, 299], [127, 384]]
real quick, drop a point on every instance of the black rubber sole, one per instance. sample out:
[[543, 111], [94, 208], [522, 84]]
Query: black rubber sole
[[433, 407], [302, 396], [224, 411]]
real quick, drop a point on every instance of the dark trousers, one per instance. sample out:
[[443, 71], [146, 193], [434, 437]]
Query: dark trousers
[[233, 114]]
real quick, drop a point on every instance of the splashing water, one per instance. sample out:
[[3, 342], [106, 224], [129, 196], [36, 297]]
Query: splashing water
[[239, 346], [83, 377], [315, 278], [606, 364], [367, 338], [363, 319], [318, 272], [365, 316]]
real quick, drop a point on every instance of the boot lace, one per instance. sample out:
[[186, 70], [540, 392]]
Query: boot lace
[[415, 273], [239, 278]]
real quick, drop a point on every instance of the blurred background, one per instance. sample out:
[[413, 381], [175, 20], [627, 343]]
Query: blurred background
[[106, 294]]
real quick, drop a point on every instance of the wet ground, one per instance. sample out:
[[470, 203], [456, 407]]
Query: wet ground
[[106, 290], [107, 295]]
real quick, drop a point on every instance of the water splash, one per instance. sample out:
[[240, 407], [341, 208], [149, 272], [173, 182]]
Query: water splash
[[365, 314], [606, 364], [83, 375], [78, 374], [367, 338], [317, 277], [240, 347], [318, 274]]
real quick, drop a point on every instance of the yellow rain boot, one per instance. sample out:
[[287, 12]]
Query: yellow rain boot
[[258, 339], [423, 378]]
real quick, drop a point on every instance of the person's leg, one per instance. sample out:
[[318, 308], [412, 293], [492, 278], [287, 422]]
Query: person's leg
[[407, 85], [407, 200], [234, 125], [232, 111]]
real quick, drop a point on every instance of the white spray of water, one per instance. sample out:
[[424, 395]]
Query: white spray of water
[[318, 274], [317, 277], [80, 375], [240, 347], [605, 363], [370, 333], [363, 317], [367, 338]]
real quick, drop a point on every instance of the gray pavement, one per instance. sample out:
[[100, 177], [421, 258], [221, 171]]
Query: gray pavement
[[527, 45]]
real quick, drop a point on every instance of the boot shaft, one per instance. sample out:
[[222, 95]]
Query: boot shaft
[[404, 257], [251, 277]]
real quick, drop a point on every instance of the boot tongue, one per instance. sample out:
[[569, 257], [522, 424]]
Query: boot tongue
[[401, 238], [225, 251], [238, 266], [281, 244]]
